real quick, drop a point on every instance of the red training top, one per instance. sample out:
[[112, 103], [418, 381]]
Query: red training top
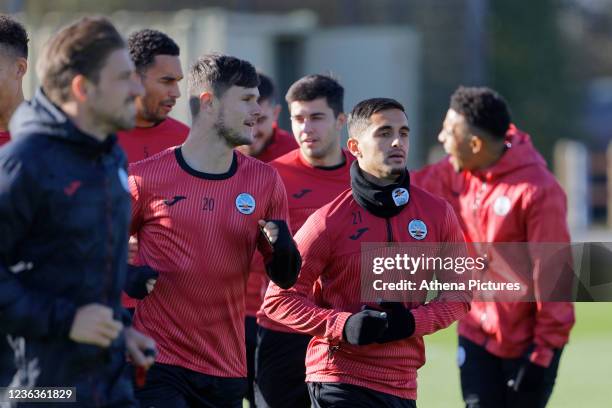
[[515, 200], [308, 189], [199, 231], [330, 244], [140, 143], [281, 142]]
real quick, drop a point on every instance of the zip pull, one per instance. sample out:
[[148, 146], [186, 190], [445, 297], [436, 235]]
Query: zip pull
[[478, 197], [331, 350], [389, 231]]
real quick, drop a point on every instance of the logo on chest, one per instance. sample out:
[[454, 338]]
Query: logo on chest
[[72, 188], [358, 234], [417, 229], [502, 206], [245, 203], [174, 200], [302, 193], [400, 196]]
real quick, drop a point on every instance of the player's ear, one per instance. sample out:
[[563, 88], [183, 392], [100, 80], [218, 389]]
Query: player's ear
[[352, 144], [79, 87], [206, 100], [22, 67], [340, 121], [476, 144]]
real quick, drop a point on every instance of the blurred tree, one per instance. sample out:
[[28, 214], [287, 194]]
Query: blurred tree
[[529, 65]]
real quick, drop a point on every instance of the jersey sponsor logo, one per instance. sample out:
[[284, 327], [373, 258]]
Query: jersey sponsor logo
[[302, 193], [245, 203], [174, 200], [400, 196], [358, 234], [502, 205], [72, 188], [123, 178], [417, 229]]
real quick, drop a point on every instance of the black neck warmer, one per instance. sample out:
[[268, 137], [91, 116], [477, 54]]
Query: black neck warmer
[[383, 202]]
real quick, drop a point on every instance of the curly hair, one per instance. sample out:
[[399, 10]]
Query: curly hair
[[483, 108], [13, 36], [144, 45]]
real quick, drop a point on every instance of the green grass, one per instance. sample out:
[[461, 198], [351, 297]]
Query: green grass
[[584, 378]]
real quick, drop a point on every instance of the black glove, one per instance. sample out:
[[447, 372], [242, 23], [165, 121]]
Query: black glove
[[401, 322], [364, 327], [283, 265], [136, 282], [528, 378]]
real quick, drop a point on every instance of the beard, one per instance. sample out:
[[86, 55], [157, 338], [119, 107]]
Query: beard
[[153, 114], [123, 118], [152, 117], [116, 121], [232, 137]]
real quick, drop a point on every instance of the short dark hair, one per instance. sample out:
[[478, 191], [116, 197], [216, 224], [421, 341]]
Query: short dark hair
[[267, 91], [312, 87], [359, 118], [145, 45], [219, 72], [13, 36], [483, 108], [81, 48]]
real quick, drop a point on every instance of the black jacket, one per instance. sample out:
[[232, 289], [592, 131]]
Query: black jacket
[[64, 216]]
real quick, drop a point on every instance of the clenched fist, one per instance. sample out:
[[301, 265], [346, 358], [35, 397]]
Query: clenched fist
[[94, 324]]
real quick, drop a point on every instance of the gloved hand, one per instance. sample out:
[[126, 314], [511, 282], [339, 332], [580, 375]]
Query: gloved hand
[[401, 322], [136, 282], [283, 262], [528, 378], [364, 327]]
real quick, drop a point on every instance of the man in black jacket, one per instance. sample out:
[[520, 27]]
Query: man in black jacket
[[64, 215]]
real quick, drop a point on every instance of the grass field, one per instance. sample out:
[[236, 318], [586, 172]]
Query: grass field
[[585, 374]]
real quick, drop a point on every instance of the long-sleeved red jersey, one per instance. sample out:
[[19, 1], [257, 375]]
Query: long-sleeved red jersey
[[199, 231], [282, 143], [330, 244], [140, 143], [515, 200], [308, 189]]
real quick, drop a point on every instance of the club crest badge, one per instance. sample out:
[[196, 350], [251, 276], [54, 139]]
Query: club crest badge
[[245, 203], [417, 229], [400, 196], [123, 179], [501, 206]]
